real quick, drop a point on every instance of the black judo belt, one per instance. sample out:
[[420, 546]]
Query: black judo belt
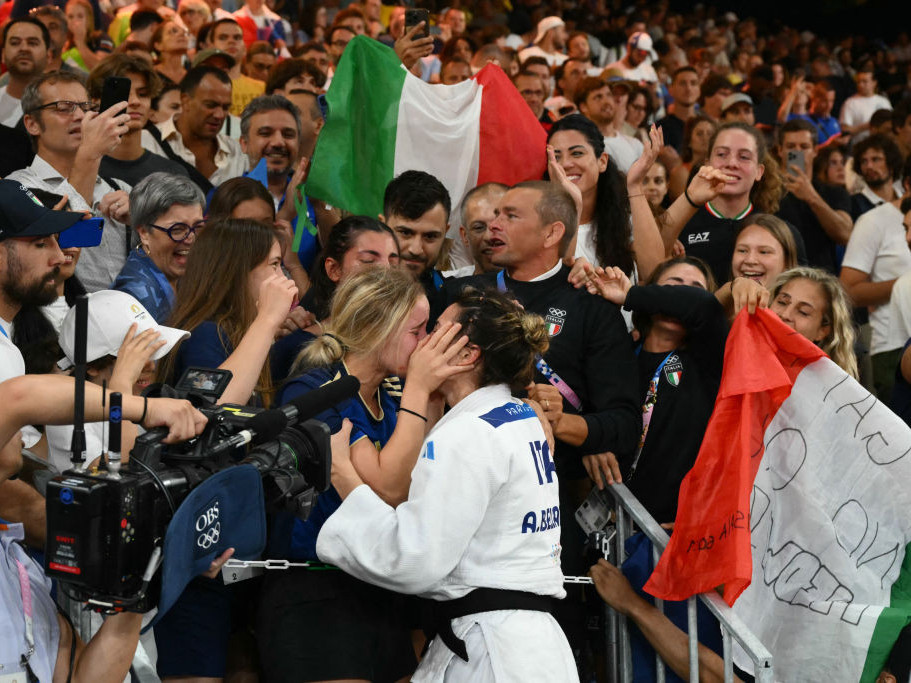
[[437, 616]]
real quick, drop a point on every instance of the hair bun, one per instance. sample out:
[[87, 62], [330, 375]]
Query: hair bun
[[535, 331]]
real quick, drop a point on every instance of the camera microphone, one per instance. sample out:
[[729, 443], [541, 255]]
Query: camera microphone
[[114, 426], [314, 402], [267, 425]]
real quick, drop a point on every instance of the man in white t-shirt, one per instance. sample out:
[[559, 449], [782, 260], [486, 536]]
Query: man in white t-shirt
[[636, 64], [550, 42], [25, 48], [858, 109], [597, 101], [876, 256]]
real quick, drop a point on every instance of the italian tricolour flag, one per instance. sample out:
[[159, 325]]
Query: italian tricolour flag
[[383, 120], [799, 505]]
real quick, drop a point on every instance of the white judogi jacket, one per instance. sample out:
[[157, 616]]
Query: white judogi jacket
[[482, 511]]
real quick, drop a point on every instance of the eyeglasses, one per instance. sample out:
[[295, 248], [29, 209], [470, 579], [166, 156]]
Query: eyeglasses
[[66, 106], [179, 232]]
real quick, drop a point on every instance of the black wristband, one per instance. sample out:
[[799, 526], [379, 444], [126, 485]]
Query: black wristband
[[692, 203], [145, 408], [411, 412]]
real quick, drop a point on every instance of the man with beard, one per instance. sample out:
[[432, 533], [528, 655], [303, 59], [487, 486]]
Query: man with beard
[[270, 129], [70, 141], [25, 47], [416, 206], [30, 260], [549, 43], [878, 161], [205, 96], [605, 104], [636, 63]]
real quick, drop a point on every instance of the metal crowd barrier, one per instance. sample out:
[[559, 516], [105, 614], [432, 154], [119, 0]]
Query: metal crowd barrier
[[630, 511]]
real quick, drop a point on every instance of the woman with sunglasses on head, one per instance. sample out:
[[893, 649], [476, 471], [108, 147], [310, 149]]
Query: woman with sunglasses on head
[[167, 213]]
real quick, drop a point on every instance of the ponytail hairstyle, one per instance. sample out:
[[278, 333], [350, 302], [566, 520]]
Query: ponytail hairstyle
[[839, 343], [767, 192], [341, 239], [367, 310], [508, 336], [611, 219]]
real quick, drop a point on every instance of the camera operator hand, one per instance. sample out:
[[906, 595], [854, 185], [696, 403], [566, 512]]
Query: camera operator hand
[[180, 417], [48, 399]]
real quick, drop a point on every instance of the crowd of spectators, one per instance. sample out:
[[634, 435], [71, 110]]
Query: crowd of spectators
[[698, 163]]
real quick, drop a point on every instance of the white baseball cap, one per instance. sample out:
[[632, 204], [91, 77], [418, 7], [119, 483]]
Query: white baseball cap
[[640, 41], [545, 25], [110, 315]]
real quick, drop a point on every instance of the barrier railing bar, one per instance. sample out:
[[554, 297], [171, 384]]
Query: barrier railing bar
[[728, 655], [626, 664], [692, 632], [739, 631], [659, 603]]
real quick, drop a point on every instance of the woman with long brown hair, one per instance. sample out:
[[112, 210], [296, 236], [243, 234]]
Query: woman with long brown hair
[[233, 325]]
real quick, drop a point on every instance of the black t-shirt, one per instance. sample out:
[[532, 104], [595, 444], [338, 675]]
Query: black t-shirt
[[820, 247], [591, 351], [712, 239], [687, 387], [673, 131], [17, 148], [131, 172]]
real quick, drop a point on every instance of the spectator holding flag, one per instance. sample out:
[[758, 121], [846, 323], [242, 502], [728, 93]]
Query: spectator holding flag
[[683, 328]]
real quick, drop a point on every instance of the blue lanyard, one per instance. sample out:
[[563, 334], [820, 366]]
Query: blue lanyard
[[549, 374], [437, 279], [3, 332], [648, 406]]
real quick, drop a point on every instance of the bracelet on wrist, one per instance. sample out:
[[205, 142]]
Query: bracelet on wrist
[[410, 412], [145, 410], [688, 199], [640, 194]]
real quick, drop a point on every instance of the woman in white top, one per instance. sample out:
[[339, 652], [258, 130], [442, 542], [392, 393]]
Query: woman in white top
[[616, 224], [480, 532]]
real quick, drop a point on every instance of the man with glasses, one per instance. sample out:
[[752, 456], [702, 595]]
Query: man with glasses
[[69, 140], [25, 51]]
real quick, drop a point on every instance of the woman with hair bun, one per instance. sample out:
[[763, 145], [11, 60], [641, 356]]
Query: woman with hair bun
[[327, 625], [479, 534]]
